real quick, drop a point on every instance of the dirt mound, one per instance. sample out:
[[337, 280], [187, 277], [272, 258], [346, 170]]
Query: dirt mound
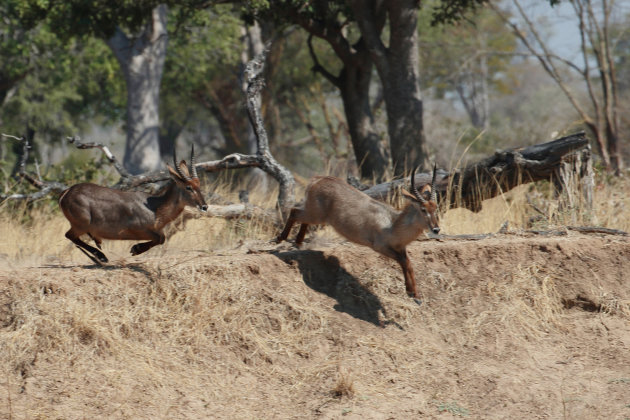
[[508, 327]]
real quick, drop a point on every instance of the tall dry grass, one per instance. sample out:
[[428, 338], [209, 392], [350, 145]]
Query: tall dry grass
[[38, 236]]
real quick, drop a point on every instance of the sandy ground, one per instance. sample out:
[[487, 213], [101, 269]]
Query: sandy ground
[[509, 327]]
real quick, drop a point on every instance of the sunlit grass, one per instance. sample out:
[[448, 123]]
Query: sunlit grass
[[36, 236]]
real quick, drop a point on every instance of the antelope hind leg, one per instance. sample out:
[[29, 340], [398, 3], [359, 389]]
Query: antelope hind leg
[[97, 256], [92, 257], [300, 236], [287, 227], [96, 241]]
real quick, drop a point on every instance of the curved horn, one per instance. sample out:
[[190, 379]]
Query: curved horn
[[176, 164], [433, 190], [414, 190], [193, 170]]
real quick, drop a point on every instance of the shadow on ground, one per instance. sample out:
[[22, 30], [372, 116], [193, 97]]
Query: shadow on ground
[[139, 267], [325, 274]]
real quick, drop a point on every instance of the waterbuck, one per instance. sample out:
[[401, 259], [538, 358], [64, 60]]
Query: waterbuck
[[366, 221], [108, 213]]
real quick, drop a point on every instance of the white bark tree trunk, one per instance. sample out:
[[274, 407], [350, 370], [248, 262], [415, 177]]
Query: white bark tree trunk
[[141, 60]]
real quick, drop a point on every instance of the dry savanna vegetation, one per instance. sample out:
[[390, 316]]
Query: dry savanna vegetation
[[220, 322]]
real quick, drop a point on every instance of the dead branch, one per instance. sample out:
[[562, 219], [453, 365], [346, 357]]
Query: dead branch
[[110, 156], [244, 211], [286, 194], [263, 158], [597, 229], [496, 174], [45, 187]]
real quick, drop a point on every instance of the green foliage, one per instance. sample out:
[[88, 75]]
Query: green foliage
[[452, 11], [94, 18], [202, 49], [282, 12], [449, 51], [98, 82], [63, 86], [78, 17]]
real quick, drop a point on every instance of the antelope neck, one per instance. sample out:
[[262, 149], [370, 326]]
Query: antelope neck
[[168, 205]]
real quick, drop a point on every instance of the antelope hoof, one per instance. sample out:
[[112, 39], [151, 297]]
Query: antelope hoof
[[135, 250], [418, 301], [103, 258]]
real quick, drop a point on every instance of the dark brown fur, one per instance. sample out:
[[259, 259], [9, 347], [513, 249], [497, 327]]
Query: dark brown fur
[[107, 213]]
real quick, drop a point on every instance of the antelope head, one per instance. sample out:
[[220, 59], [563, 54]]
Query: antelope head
[[428, 207], [188, 181]]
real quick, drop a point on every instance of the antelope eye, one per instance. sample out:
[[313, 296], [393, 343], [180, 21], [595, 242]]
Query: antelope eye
[[188, 188]]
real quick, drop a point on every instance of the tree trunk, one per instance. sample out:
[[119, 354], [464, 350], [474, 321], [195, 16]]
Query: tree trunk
[[142, 62], [253, 46], [354, 84], [499, 173], [397, 66], [168, 135]]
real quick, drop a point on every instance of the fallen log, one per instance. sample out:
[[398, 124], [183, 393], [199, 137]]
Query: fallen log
[[496, 174]]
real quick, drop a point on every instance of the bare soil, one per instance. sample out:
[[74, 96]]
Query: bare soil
[[508, 327]]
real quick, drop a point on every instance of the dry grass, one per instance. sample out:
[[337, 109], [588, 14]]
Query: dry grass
[[345, 385], [524, 304], [611, 209], [42, 238], [199, 327], [159, 328]]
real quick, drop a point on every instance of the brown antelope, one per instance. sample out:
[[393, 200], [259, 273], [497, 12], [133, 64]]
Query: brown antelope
[[366, 221], [107, 213]]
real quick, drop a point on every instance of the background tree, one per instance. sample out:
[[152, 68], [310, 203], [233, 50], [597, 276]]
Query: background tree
[[466, 61], [327, 20], [596, 71], [202, 58], [136, 32], [50, 87], [396, 61], [383, 34]]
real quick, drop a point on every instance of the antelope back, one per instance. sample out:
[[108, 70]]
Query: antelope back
[[350, 212]]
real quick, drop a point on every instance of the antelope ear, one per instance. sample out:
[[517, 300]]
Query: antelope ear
[[184, 168], [426, 192], [408, 195], [174, 173]]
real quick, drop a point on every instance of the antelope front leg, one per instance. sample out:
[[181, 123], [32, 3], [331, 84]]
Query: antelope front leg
[[145, 246], [407, 269], [97, 256], [410, 281]]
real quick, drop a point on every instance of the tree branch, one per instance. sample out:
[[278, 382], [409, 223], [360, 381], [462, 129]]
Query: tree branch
[[543, 58], [494, 175], [317, 67], [112, 159], [286, 195], [45, 187]]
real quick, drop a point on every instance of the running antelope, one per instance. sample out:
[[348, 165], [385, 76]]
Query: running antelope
[[366, 221], [107, 213]]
